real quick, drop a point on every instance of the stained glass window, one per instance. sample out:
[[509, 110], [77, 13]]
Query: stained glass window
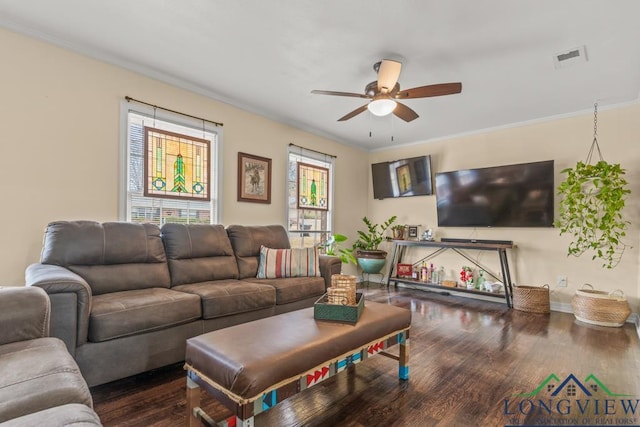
[[157, 209], [176, 165], [313, 187]]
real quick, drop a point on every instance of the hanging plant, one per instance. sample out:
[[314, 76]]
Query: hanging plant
[[592, 198]]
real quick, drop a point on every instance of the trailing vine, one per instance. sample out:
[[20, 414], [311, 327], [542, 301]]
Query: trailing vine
[[592, 199]]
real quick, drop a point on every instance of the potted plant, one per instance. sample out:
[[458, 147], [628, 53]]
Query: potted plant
[[370, 258], [398, 231], [332, 247], [591, 201]]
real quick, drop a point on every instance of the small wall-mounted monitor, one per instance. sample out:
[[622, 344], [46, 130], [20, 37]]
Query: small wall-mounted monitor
[[402, 178]]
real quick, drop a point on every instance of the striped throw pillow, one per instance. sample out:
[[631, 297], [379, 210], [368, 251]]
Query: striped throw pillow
[[277, 263]]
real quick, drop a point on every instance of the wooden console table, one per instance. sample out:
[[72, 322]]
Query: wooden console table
[[400, 246]]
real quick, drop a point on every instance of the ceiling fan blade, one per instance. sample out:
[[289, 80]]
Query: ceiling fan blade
[[430, 90], [405, 113], [388, 74], [330, 92], [353, 113]]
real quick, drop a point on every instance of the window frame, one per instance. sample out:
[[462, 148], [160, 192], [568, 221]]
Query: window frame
[[313, 156], [215, 165]]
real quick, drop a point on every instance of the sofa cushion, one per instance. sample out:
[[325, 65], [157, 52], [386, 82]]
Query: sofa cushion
[[72, 414], [111, 257], [119, 314], [227, 297], [276, 263], [247, 240], [198, 253], [294, 288], [38, 374]]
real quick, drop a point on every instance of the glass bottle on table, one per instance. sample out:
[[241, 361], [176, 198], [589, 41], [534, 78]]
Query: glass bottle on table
[[480, 281], [424, 273]]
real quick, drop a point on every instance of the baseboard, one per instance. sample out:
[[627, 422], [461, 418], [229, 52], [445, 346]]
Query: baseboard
[[561, 307], [554, 306]]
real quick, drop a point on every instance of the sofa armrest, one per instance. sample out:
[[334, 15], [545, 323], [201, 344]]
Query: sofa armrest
[[70, 297], [24, 314], [329, 265]]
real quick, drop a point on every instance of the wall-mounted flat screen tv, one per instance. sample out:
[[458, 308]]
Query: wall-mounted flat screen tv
[[402, 178], [503, 196]]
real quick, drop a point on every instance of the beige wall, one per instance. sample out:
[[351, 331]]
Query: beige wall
[[541, 253], [60, 115]]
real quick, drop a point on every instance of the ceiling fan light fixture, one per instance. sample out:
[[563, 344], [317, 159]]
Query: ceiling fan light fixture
[[381, 107]]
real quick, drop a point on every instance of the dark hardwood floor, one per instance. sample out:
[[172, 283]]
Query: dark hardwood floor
[[468, 361]]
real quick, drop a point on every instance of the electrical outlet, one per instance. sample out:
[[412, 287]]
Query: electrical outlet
[[562, 281]]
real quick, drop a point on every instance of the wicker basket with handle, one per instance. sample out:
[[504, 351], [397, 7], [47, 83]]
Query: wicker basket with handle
[[533, 299], [346, 282], [599, 307]]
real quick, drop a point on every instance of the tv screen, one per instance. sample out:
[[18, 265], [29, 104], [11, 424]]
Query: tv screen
[[402, 178], [503, 196]]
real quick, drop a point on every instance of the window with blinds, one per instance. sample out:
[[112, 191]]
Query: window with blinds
[[162, 210], [310, 197]]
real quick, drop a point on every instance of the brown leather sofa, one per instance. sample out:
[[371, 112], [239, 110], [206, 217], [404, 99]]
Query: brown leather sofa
[[125, 297], [40, 383]]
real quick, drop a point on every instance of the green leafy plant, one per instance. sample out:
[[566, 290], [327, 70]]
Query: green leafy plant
[[370, 239], [591, 201], [332, 247]]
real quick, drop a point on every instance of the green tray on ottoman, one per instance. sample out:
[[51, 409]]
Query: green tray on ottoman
[[322, 310]]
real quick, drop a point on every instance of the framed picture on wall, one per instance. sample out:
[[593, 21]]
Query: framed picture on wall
[[254, 178]]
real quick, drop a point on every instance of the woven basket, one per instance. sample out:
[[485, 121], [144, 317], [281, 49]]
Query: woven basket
[[532, 299], [347, 282], [600, 308]]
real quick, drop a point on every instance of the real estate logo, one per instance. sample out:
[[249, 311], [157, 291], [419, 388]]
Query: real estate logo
[[571, 402]]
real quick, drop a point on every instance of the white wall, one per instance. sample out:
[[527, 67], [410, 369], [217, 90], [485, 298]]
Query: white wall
[[541, 253], [60, 115]]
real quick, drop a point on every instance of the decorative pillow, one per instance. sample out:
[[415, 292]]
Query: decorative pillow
[[276, 263]]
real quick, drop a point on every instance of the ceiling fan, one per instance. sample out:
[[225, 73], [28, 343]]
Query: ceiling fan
[[384, 92]]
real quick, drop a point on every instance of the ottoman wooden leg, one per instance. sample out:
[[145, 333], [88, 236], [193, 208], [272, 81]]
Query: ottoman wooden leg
[[193, 402], [403, 361]]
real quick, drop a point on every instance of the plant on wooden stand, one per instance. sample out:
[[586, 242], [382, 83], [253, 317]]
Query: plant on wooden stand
[[591, 201]]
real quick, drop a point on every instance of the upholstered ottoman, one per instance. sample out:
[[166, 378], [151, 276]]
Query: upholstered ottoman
[[253, 366]]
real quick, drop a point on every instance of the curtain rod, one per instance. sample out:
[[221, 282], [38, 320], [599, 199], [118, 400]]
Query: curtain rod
[[291, 144], [129, 99]]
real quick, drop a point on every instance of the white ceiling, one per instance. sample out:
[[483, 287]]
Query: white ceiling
[[267, 56]]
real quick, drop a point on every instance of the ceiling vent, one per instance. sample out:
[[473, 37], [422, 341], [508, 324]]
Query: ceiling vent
[[570, 57]]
